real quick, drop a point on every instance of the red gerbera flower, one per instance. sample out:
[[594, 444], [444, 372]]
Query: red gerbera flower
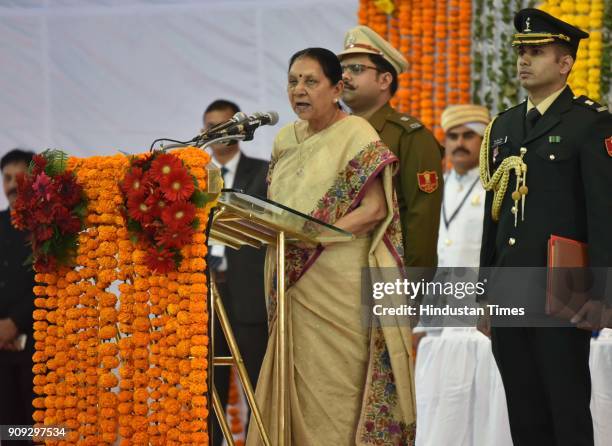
[[133, 183], [68, 189], [178, 215], [43, 186], [67, 222], [177, 185], [42, 233], [45, 264], [40, 162], [157, 202], [160, 262], [175, 238], [164, 165], [139, 210]]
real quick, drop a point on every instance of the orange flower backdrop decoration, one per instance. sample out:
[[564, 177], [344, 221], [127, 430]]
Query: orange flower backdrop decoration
[[121, 352], [435, 39]]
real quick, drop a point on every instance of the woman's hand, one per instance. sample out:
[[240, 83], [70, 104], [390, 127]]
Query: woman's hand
[[370, 212]]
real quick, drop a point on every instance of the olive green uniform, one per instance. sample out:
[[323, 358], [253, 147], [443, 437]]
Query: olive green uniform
[[418, 152]]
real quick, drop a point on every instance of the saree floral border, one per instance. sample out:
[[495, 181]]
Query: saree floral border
[[120, 351]]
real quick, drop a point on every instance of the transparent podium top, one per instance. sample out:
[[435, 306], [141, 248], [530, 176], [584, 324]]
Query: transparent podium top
[[241, 219]]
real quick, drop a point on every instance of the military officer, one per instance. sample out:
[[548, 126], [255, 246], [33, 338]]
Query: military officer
[[564, 144], [370, 68]]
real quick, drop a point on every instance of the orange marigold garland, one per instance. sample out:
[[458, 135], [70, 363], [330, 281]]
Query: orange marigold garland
[[440, 73], [435, 38], [103, 368]]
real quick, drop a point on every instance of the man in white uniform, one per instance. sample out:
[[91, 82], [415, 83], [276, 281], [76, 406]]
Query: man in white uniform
[[463, 199], [459, 400]]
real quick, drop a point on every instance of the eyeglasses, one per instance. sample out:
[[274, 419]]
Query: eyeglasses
[[357, 68]]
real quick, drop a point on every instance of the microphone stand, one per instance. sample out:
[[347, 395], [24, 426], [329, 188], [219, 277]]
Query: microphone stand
[[204, 143]]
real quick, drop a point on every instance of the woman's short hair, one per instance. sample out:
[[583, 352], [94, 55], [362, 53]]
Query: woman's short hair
[[328, 60]]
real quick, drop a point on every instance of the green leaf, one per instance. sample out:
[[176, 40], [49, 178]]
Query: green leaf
[[29, 260], [199, 198], [57, 161], [81, 209], [46, 246], [134, 226], [178, 258], [195, 224]]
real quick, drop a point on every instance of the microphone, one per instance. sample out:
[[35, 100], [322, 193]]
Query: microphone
[[236, 119], [246, 127], [268, 118]]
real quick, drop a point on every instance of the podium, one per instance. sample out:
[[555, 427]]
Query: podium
[[244, 220]]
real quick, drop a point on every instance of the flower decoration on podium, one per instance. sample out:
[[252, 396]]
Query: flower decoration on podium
[[120, 325], [161, 198], [51, 207]]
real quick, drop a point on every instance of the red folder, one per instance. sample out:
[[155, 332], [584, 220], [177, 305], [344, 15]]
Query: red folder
[[568, 278]]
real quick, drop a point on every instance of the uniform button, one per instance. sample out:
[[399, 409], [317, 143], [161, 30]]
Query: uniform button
[[511, 241], [551, 157]]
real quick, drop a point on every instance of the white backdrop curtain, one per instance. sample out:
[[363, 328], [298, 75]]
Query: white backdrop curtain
[[95, 76]]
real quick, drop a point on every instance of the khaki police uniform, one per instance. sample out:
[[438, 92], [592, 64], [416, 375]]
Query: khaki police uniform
[[419, 180]]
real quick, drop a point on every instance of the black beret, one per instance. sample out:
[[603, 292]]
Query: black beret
[[536, 27]]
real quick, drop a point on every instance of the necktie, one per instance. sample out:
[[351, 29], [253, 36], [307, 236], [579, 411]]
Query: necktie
[[531, 119], [224, 170]]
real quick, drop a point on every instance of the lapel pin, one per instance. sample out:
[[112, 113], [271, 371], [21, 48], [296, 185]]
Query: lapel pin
[[554, 139], [500, 141]]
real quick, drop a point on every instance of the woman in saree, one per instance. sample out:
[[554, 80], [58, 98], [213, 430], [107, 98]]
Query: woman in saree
[[349, 382]]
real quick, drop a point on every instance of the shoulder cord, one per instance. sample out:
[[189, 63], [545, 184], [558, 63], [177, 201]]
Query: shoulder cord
[[498, 183]]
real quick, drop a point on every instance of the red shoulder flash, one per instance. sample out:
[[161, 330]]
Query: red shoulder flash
[[428, 181]]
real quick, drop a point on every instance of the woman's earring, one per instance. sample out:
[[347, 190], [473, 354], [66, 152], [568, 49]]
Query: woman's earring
[[336, 101]]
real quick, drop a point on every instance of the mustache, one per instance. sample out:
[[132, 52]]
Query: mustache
[[12, 191], [461, 149]]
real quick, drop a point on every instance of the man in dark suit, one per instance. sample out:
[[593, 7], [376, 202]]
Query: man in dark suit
[[565, 141], [16, 305], [239, 274]]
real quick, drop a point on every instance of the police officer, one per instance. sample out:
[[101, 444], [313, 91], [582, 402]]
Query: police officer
[[557, 152], [370, 68]]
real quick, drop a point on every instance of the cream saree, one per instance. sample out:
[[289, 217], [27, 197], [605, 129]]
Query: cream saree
[[349, 383]]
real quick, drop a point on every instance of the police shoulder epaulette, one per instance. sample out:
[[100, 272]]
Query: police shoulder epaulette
[[590, 104], [405, 121]]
